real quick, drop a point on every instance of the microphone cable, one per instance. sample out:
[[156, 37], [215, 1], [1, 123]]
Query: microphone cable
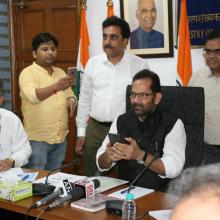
[[27, 213], [155, 157], [142, 216], [42, 211], [74, 162]]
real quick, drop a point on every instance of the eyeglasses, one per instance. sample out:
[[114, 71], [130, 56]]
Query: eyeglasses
[[141, 95], [145, 12], [209, 52], [112, 37]]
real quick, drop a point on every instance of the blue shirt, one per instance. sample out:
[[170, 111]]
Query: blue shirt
[[141, 39]]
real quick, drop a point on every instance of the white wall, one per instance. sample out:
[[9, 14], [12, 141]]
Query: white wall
[[164, 67]]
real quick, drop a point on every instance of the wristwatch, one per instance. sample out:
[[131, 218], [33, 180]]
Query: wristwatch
[[144, 158]]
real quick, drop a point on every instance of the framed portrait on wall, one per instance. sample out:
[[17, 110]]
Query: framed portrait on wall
[[151, 27]]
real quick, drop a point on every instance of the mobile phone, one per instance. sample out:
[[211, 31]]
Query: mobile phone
[[113, 138], [116, 138], [72, 71]]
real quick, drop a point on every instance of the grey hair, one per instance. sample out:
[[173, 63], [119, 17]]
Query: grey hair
[[195, 182]]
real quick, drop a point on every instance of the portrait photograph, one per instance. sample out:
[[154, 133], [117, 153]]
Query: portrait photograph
[[151, 27]]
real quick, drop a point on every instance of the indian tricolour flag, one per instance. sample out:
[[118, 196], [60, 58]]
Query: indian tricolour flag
[[184, 65], [83, 53]]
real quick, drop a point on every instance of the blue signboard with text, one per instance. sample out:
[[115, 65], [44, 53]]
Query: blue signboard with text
[[203, 16]]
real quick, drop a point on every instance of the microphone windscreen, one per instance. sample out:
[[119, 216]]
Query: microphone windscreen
[[96, 183], [88, 186], [77, 193]]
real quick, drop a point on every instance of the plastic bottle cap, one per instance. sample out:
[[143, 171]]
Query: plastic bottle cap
[[129, 196]]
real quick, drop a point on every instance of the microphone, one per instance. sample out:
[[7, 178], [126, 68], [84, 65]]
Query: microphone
[[67, 188], [155, 156], [82, 189], [75, 194], [45, 188], [73, 162], [115, 206], [88, 186], [48, 198]]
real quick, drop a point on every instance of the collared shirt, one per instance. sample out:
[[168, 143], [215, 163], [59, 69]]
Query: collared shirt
[[142, 39], [211, 84], [103, 90], [45, 120], [173, 156], [13, 139]]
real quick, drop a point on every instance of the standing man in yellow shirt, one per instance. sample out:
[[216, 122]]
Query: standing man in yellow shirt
[[46, 96]]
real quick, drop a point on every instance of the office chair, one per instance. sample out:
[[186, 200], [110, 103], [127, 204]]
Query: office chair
[[186, 103]]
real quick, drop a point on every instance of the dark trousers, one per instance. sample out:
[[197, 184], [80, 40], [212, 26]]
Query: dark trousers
[[95, 134], [211, 154]]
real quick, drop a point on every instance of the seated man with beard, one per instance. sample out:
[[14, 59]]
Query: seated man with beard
[[146, 132]]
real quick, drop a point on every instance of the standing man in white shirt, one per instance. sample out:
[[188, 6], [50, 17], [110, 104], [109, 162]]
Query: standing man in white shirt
[[209, 79], [15, 148], [103, 91]]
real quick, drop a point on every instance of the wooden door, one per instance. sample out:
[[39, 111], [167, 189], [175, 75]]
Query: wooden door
[[29, 17]]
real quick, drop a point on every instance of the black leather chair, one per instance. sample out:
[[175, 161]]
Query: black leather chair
[[186, 103]]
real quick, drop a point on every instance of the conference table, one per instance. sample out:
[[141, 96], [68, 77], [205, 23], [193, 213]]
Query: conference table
[[150, 202]]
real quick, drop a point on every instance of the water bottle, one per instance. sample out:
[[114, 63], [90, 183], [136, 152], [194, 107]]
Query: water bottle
[[129, 208]]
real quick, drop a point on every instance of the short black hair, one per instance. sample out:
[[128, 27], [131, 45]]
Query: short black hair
[[43, 37], [148, 74], [214, 34], [119, 22]]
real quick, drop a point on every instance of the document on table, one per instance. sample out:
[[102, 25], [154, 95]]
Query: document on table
[[136, 191], [56, 178], [161, 214], [28, 177], [93, 203], [15, 174], [107, 183], [11, 175], [15, 171]]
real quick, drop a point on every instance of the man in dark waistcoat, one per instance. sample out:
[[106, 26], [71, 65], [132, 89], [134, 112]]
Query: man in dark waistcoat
[[145, 132]]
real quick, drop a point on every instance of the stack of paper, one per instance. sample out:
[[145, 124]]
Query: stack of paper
[[161, 214], [93, 203], [136, 191], [56, 178], [15, 174], [107, 183]]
